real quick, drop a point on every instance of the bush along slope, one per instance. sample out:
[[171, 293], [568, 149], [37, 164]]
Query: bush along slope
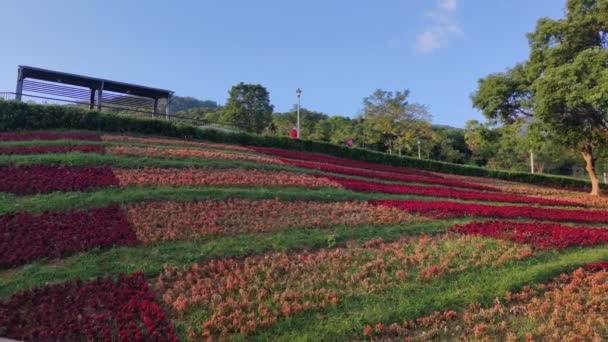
[[15, 116]]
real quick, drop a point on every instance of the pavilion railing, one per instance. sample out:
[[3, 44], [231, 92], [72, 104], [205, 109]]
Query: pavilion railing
[[46, 100]]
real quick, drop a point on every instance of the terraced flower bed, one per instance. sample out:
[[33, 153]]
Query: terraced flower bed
[[541, 235], [211, 176], [33, 179], [104, 309], [25, 237], [51, 149], [438, 210], [241, 297], [369, 186], [572, 307], [386, 175], [158, 221], [248, 243], [341, 161]]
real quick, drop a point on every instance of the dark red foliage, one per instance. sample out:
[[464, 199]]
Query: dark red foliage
[[597, 266], [47, 136], [32, 179], [541, 235], [341, 161], [367, 186], [102, 310], [25, 237], [385, 175], [436, 209], [50, 149]]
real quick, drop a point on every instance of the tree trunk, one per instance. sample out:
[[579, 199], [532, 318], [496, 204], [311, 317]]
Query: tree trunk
[[590, 167]]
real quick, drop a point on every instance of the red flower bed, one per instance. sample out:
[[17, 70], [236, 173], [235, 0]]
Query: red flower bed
[[48, 136], [25, 237], [102, 310], [341, 161], [32, 179], [215, 176], [50, 149], [541, 235], [455, 209], [367, 186], [385, 175], [597, 266]]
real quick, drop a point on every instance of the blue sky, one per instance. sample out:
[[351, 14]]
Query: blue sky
[[337, 52]]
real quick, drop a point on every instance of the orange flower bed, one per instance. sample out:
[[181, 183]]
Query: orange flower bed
[[157, 221], [184, 152], [164, 141], [572, 308], [235, 298], [213, 176]]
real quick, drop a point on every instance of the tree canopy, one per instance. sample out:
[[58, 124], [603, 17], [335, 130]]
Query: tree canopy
[[248, 107], [563, 84]]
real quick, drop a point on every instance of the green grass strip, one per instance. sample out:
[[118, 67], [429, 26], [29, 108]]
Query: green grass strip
[[413, 300], [151, 258], [63, 201]]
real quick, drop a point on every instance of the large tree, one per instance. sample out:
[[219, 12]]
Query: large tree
[[563, 84], [248, 107], [390, 119]]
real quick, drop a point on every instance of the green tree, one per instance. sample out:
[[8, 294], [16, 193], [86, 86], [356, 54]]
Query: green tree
[[563, 84], [285, 122], [248, 107], [391, 120]]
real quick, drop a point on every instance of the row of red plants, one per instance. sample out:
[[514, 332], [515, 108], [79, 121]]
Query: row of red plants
[[25, 237], [369, 186], [106, 309], [541, 235], [444, 209], [50, 149], [33, 179], [341, 161], [48, 136], [385, 175]]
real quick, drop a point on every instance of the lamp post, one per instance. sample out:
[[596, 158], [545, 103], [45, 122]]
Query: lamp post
[[298, 94], [419, 155]]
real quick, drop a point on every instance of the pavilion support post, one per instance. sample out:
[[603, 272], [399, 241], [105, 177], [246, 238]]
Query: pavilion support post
[[19, 90], [100, 97], [167, 112], [155, 106], [92, 99]]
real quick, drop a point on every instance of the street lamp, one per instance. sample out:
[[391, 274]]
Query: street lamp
[[418, 141], [298, 94]]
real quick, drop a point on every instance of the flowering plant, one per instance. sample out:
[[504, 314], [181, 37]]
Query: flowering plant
[[32, 179], [25, 237], [105, 309]]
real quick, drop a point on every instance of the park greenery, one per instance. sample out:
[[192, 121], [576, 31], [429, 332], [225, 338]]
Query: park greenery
[[551, 107], [563, 85]]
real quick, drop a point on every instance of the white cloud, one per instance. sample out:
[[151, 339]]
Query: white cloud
[[448, 5], [442, 27]]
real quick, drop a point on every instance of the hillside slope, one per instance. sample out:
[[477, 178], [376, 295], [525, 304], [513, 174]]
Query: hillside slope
[[197, 240]]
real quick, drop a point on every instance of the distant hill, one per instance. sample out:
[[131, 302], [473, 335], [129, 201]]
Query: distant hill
[[180, 104]]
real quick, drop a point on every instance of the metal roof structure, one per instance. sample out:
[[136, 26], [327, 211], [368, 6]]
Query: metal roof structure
[[68, 85]]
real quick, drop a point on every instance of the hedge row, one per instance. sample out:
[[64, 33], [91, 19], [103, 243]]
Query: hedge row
[[16, 116]]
